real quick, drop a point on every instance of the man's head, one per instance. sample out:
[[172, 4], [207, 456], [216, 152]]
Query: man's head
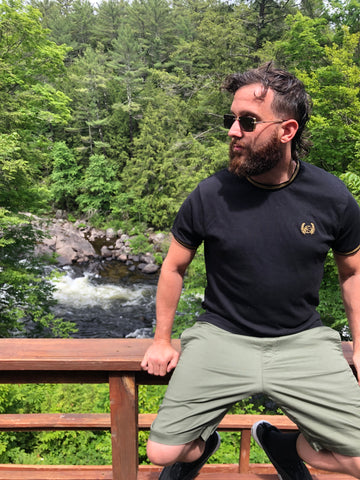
[[289, 99]]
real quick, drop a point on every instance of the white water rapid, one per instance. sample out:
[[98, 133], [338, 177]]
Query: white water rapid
[[103, 307]]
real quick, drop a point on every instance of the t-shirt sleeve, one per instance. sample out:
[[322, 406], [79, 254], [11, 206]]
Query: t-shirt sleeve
[[188, 225], [348, 238]]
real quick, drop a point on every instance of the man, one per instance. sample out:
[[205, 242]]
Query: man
[[267, 223]]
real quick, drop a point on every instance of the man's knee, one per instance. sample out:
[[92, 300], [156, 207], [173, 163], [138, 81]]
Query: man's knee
[[164, 455], [351, 465]]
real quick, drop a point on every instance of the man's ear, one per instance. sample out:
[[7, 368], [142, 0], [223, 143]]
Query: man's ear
[[289, 129]]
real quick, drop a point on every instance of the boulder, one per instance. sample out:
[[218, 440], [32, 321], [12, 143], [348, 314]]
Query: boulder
[[73, 244], [106, 252], [66, 242], [150, 268]]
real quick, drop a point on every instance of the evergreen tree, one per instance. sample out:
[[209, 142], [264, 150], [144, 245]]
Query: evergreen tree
[[31, 106], [64, 177], [129, 73], [335, 124], [88, 85], [55, 18], [99, 185], [152, 23], [302, 45], [266, 20], [81, 22], [168, 161], [110, 16], [346, 13]]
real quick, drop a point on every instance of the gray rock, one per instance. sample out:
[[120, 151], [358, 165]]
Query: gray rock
[[150, 268], [110, 233], [106, 252]]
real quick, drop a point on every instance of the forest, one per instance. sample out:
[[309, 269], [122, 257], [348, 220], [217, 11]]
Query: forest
[[112, 112]]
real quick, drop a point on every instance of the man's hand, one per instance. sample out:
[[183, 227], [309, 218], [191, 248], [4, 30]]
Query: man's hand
[[160, 358]]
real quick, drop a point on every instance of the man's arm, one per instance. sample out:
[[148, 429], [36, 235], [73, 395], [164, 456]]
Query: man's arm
[[349, 277], [161, 357]]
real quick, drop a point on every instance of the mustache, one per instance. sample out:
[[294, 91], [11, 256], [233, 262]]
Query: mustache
[[236, 141]]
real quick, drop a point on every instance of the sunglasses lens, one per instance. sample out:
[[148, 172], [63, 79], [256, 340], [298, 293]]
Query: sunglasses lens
[[229, 120], [247, 124]]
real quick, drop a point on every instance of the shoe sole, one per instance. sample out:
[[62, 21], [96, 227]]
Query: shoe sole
[[257, 440], [217, 445], [216, 448], [192, 475]]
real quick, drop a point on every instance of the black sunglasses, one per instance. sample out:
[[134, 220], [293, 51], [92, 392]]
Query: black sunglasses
[[247, 124]]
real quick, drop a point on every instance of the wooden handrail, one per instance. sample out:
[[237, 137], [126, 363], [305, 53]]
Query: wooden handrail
[[112, 361]]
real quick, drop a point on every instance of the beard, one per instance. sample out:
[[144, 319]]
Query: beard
[[256, 161]]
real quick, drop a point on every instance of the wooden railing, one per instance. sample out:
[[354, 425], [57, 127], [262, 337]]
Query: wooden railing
[[116, 362]]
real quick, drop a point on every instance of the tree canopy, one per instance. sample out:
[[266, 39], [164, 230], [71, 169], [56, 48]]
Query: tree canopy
[[114, 110]]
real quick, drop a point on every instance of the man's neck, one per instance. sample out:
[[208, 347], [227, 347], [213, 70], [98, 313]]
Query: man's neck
[[278, 175]]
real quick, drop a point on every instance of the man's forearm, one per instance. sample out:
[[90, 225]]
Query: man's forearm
[[161, 357], [350, 291], [167, 298], [351, 298]]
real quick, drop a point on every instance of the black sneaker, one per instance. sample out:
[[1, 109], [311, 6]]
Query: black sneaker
[[188, 471], [295, 470]]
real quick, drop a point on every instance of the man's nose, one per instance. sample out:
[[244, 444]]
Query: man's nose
[[235, 130]]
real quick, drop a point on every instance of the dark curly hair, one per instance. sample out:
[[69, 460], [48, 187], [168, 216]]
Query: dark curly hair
[[290, 98]]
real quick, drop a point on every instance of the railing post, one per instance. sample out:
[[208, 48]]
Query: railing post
[[245, 442], [124, 428]]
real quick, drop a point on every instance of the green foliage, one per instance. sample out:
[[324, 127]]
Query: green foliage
[[154, 24], [14, 172], [352, 181], [55, 447], [31, 105], [302, 44], [140, 244], [331, 307], [114, 110], [335, 125], [99, 185], [190, 307], [144, 82], [346, 13], [64, 177], [168, 161]]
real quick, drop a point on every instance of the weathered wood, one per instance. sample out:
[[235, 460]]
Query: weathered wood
[[81, 355], [64, 472], [230, 471], [72, 354], [54, 421], [244, 451], [231, 423], [124, 434], [117, 362], [60, 472], [102, 421]]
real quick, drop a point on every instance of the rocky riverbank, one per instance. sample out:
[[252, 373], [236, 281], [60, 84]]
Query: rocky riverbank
[[78, 243]]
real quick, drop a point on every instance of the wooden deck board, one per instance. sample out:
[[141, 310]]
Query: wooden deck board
[[61, 472]]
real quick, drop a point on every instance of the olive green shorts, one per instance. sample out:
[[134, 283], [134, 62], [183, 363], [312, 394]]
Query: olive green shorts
[[305, 374]]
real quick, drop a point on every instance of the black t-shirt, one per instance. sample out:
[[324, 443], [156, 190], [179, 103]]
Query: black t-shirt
[[265, 247]]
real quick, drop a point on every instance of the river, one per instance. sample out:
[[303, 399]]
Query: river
[[113, 303]]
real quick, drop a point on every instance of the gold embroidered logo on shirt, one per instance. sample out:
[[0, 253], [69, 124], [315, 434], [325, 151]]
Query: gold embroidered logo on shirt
[[307, 229]]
